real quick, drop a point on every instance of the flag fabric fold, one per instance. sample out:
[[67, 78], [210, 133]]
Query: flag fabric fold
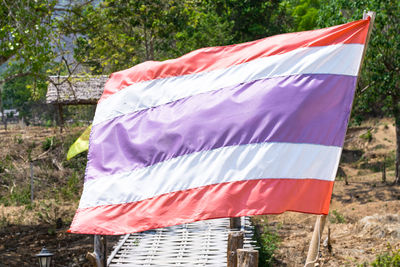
[[246, 129]]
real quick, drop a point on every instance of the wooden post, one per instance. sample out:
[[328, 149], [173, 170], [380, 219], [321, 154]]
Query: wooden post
[[60, 116], [313, 250], [235, 223], [3, 117], [384, 170], [31, 168], [235, 241], [247, 258], [98, 258]]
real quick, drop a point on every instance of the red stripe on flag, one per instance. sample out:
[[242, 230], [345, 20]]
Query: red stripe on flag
[[213, 58], [208, 202]]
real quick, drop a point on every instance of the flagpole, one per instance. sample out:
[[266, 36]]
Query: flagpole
[[313, 250], [312, 255], [367, 14]]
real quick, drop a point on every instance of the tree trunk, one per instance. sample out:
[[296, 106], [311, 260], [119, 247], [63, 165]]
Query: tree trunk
[[60, 117], [396, 114], [384, 170], [3, 117], [146, 41], [151, 45], [397, 174]]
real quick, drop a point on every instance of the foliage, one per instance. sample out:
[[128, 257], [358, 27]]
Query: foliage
[[253, 19], [118, 34], [71, 190], [336, 217], [305, 14], [47, 212], [81, 115], [48, 143], [160, 30], [34, 44], [367, 136], [25, 31], [204, 27], [18, 94], [390, 258], [15, 94], [18, 196], [267, 240], [77, 163], [4, 221]]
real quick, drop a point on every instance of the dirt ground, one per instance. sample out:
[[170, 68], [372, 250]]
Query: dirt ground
[[25, 229], [364, 217]]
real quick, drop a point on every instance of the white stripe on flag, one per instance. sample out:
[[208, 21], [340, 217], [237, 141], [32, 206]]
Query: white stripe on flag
[[343, 59], [227, 164]]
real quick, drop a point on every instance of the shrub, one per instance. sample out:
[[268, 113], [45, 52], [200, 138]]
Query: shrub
[[391, 258], [18, 139], [48, 143], [336, 217], [267, 240], [367, 136], [70, 191], [17, 197]]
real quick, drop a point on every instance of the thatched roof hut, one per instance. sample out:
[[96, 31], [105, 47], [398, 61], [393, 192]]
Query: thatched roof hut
[[75, 90]]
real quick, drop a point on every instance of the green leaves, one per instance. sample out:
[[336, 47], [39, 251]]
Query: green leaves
[[379, 74]]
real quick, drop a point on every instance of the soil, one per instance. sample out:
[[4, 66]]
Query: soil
[[364, 218]]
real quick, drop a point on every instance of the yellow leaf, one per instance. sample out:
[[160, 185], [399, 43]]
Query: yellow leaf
[[80, 145]]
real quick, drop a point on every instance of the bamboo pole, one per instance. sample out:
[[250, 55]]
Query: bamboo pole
[[313, 250], [98, 258], [31, 169], [312, 256], [372, 15]]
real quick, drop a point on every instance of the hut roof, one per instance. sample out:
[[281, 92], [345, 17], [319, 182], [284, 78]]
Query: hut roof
[[75, 90]]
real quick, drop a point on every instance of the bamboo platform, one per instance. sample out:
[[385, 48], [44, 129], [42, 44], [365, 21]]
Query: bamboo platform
[[202, 243]]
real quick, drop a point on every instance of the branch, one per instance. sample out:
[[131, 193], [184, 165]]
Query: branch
[[365, 88], [4, 59], [12, 77], [76, 6]]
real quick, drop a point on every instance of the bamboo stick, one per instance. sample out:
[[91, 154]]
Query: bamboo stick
[[312, 256]]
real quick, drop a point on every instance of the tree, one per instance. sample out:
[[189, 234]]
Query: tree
[[34, 43], [253, 19], [25, 36], [380, 78], [305, 14], [24, 44], [118, 34]]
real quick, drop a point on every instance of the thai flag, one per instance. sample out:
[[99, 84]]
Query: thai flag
[[246, 129]]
